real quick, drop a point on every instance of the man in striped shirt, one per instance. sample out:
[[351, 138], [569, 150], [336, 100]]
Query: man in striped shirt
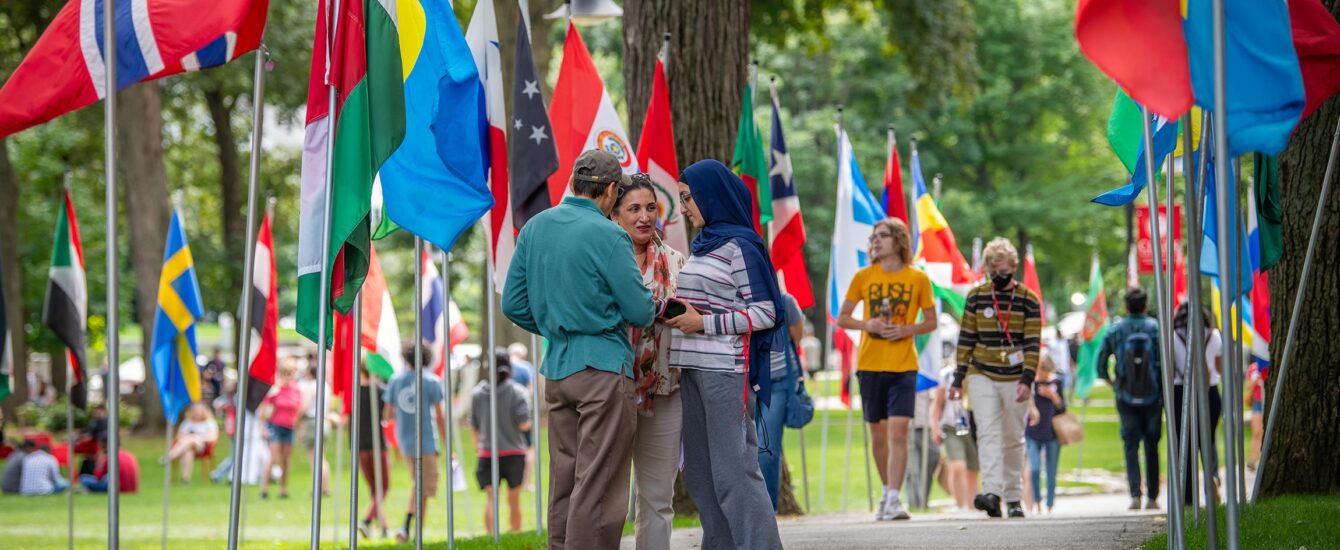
[[998, 346]]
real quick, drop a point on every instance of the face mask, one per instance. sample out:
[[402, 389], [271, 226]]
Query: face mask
[[1002, 280]]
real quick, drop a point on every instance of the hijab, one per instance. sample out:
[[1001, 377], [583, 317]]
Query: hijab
[[728, 215]]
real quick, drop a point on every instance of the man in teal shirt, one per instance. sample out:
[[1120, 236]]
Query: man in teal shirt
[[574, 281]]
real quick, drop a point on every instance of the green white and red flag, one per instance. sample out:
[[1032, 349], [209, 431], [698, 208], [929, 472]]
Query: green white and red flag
[[65, 310]]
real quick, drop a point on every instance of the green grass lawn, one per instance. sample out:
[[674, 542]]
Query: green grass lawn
[[1285, 522], [199, 511]]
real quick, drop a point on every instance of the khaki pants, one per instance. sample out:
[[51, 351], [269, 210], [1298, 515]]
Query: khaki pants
[[655, 462], [1000, 435], [592, 421]]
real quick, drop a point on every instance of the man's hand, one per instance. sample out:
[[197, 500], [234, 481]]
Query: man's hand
[[876, 326], [690, 322], [1021, 393], [937, 434], [955, 393], [895, 332]]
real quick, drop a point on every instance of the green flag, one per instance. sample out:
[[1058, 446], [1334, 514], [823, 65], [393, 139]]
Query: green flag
[[1125, 130], [1269, 214], [1091, 336], [749, 161]]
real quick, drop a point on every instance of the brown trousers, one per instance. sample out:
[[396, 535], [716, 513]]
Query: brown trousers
[[592, 422]]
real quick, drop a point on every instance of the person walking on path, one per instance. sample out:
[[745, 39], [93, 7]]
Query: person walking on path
[[1134, 342], [953, 433], [893, 292], [734, 319], [998, 347], [513, 419], [399, 402], [1214, 345], [660, 416], [1041, 437], [573, 280], [281, 408]]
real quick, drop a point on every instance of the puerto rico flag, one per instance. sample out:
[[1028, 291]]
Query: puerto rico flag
[[787, 226], [66, 70]]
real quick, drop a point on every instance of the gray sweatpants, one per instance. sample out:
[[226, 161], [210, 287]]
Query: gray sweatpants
[[721, 470]]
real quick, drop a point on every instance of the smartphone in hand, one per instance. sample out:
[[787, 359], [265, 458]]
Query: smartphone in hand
[[674, 308]]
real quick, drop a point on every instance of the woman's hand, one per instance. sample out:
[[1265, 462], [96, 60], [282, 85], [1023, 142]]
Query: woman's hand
[[690, 322], [954, 393], [876, 326], [937, 434], [894, 332]]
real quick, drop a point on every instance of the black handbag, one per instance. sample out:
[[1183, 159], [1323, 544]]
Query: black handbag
[[799, 404]]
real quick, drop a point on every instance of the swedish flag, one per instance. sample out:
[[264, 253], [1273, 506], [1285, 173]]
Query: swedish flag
[[179, 306]]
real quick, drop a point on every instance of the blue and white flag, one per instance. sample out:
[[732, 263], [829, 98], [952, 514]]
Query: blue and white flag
[[1165, 141]]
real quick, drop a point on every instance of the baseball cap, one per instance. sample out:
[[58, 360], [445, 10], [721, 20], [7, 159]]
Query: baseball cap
[[597, 166]]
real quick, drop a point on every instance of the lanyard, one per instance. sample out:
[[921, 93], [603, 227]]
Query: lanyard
[[1003, 316]]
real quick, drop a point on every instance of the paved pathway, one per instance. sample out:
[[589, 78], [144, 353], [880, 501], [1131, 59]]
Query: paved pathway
[[1091, 522]]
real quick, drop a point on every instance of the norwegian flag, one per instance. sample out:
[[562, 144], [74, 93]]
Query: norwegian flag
[[66, 69], [787, 226]]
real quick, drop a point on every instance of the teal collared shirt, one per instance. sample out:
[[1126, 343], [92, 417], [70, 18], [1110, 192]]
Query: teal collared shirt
[[574, 281]]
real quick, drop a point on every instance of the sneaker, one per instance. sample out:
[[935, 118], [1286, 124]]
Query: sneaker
[[402, 536], [1152, 504], [265, 495], [1016, 510], [895, 509], [988, 503], [365, 529], [1135, 504], [882, 513]]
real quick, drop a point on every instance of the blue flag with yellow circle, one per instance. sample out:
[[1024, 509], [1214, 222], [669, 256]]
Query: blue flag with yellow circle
[[179, 307]]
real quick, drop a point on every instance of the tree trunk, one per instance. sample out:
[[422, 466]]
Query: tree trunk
[[144, 181], [1307, 431], [230, 185], [787, 503], [710, 41], [13, 275]]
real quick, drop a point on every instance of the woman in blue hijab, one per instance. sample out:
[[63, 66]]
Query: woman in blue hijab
[[723, 344]]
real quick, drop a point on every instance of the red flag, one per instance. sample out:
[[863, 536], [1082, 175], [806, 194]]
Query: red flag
[[895, 199], [1139, 44], [1316, 38], [656, 153], [1031, 280], [342, 358], [846, 349]]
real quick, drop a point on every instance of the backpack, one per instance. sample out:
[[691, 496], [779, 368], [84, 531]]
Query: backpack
[[1137, 380]]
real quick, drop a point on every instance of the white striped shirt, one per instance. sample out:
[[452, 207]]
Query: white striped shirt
[[717, 284]]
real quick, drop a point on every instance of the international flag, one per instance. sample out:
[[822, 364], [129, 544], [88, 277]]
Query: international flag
[[434, 184], [933, 241], [749, 163], [6, 345], [1316, 37], [788, 226], [1252, 342], [482, 37], [1209, 251], [1031, 281], [534, 156], [1123, 37], [930, 355], [433, 330], [379, 335], [895, 198], [264, 322], [583, 116], [656, 153], [173, 352], [369, 124], [853, 222], [1258, 48], [1269, 212], [65, 310], [1260, 293], [66, 70], [1091, 336], [1165, 142]]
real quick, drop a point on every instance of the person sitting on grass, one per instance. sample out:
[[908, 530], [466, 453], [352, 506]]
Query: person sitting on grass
[[195, 437], [127, 467], [41, 474], [513, 419], [12, 475]]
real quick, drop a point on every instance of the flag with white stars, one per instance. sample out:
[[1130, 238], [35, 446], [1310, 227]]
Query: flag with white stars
[[534, 156]]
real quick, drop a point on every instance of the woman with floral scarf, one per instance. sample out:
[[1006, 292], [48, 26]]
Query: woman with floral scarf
[[660, 416]]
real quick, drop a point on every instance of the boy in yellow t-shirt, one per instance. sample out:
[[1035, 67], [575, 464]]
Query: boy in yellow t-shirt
[[894, 293]]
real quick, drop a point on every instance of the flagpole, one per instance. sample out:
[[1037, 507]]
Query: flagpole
[[935, 186], [355, 416], [378, 495], [113, 290], [1174, 507], [339, 466], [828, 343], [491, 298], [450, 396], [167, 482], [69, 414], [1239, 331], [1202, 390], [418, 394], [1221, 206], [243, 359], [1190, 445], [1291, 336], [911, 192]]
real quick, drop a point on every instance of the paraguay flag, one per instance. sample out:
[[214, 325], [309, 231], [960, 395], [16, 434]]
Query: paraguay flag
[[854, 221], [787, 226], [66, 70], [179, 306]]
